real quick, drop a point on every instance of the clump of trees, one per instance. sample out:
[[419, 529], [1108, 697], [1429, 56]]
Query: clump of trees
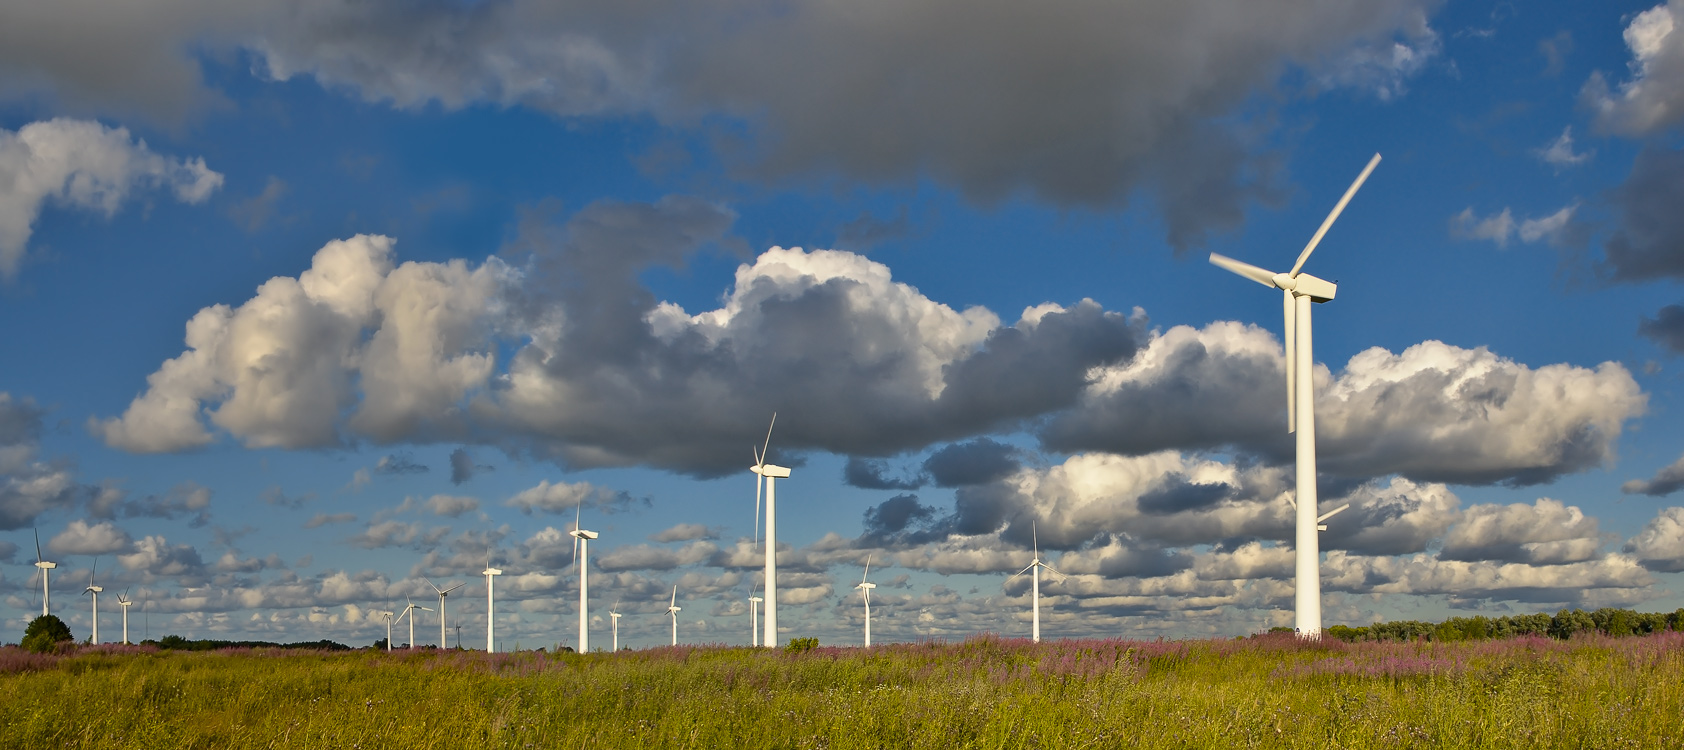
[[178, 643], [1563, 625], [45, 633], [798, 645]]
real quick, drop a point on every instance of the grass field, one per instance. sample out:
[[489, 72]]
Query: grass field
[[1270, 691]]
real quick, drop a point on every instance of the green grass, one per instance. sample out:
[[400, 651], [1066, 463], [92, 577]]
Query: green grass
[[1594, 692]]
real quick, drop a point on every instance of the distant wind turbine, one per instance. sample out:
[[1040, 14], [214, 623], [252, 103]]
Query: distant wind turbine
[[124, 601], [754, 620], [92, 589], [582, 562], [442, 594], [1035, 569], [614, 617], [1299, 290], [490, 606], [388, 616], [865, 588], [46, 590], [673, 609], [407, 612], [768, 472]]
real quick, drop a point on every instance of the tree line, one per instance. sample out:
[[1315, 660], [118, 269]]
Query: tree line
[[1562, 625]]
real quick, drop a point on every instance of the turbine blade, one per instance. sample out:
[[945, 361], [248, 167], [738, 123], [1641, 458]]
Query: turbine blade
[[768, 444], [1290, 308], [757, 480], [453, 588], [867, 569], [1035, 537], [674, 597], [1054, 571], [1259, 275], [38, 546], [430, 582], [1337, 208]]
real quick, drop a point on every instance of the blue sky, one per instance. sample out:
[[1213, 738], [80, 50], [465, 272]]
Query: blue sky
[[309, 302]]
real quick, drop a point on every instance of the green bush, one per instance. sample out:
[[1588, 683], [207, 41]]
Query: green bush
[[798, 645], [45, 633]]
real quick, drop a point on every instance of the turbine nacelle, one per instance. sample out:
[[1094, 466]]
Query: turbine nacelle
[[489, 571], [769, 470], [582, 534], [46, 565]]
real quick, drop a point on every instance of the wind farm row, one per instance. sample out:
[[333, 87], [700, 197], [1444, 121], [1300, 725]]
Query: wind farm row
[[1299, 291]]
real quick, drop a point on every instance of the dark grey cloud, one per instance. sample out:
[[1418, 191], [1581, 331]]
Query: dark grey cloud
[[1648, 240], [1668, 480], [895, 517], [185, 500], [463, 468], [873, 474], [974, 462], [1081, 104], [866, 230], [1180, 494], [399, 463], [1666, 328]]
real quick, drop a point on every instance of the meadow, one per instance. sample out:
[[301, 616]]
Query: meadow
[[1591, 691]]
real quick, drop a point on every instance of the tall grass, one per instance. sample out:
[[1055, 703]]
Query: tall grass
[[984, 692]]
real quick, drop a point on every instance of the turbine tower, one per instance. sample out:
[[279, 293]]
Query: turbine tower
[[442, 594], [388, 616], [768, 472], [46, 591], [614, 617], [581, 550], [865, 590], [754, 620], [92, 589], [490, 607], [1034, 569], [124, 601], [1298, 291], [672, 609]]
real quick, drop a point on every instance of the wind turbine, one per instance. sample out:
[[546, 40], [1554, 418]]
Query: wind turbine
[[442, 594], [46, 591], [1034, 569], [490, 606], [865, 590], [769, 473], [1298, 291], [614, 617], [581, 549], [672, 609], [754, 620], [406, 613], [458, 627], [92, 589], [388, 616], [124, 600]]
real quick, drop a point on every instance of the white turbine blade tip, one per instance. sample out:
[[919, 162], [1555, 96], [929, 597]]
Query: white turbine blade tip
[[1259, 275]]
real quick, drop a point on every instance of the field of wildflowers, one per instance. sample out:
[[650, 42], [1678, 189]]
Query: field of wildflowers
[[1592, 691]]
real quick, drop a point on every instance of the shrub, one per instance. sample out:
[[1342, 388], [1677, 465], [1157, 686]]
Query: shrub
[[45, 633], [798, 645]]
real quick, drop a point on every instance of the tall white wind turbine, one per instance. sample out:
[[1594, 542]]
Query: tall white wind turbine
[[1034, 569], [46, 591], [442, 594], [865, 588], [92, 589], [124, 601], [673, 609], [582, 562], [388, 616], [754, 620], [1298, 291], [409, 612], [769, 473], [490, 607], [614, 617]]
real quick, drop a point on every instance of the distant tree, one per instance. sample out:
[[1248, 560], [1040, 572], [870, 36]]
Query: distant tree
[[44, 633], [379, 645], [1568, 623], [798, 645]]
